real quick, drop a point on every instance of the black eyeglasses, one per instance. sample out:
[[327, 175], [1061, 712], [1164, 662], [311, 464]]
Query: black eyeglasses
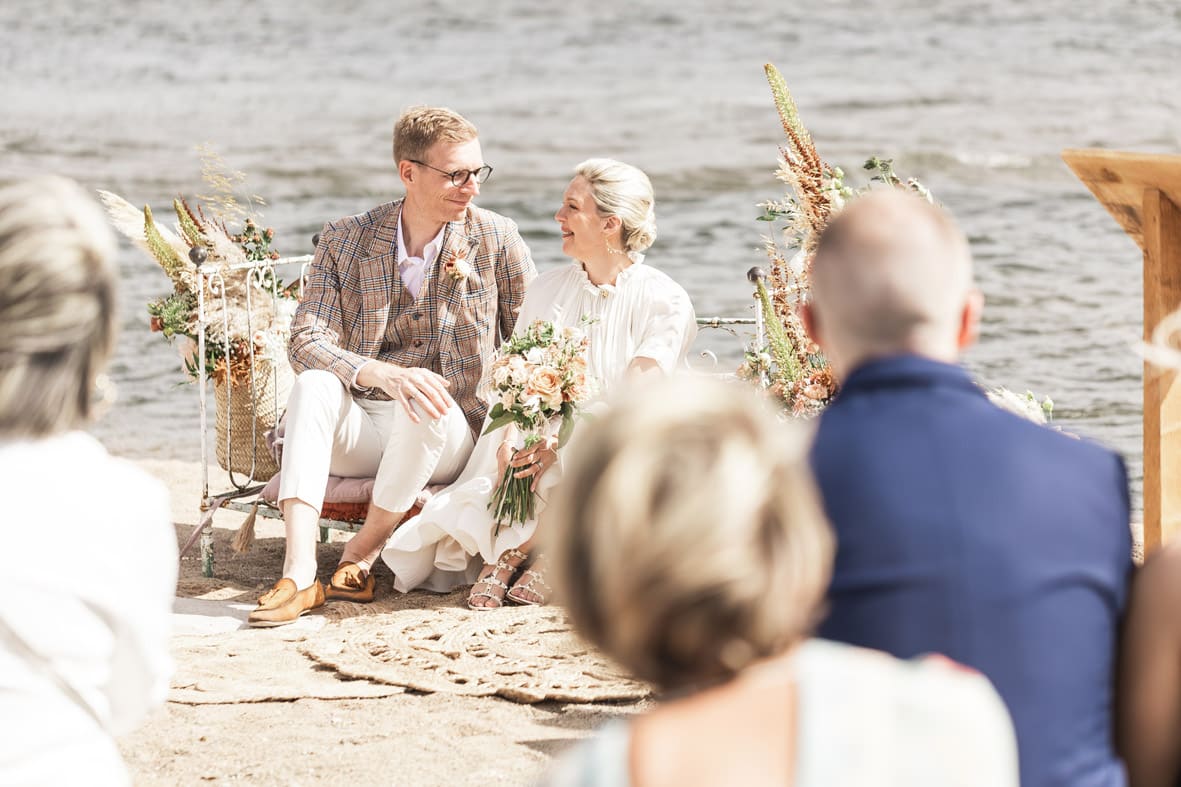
[[460, 177]]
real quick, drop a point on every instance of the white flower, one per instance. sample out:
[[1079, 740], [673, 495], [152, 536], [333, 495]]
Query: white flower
[[535, 355], [518, 369], [501, 374], [1024, 406], [458, 268], [284, 313]]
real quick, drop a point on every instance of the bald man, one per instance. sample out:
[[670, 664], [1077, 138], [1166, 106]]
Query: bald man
[[962, 529]]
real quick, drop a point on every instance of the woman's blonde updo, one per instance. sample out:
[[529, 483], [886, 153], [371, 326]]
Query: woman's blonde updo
[[57, 305], [687, 539], [623, 190]]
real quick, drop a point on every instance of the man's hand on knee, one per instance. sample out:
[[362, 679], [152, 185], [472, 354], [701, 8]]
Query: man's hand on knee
[[409, 384]]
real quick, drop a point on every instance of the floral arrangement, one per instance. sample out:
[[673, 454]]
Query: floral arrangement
[[538, 378], [246, 324], [791, 366], [1026, 406]]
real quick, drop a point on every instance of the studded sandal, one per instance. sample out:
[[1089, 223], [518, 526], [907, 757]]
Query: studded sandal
[[490, 585], [531, 590]]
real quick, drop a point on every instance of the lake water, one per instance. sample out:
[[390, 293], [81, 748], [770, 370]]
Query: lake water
[[976, 99]]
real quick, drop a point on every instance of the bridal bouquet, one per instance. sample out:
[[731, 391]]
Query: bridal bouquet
[[537, 382]]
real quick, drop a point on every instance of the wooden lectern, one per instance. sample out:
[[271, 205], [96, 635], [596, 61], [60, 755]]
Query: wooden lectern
[[1143, 192]]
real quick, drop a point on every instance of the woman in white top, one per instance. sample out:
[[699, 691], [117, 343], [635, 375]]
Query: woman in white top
[[688, 543], [638, 321], [89, 563]]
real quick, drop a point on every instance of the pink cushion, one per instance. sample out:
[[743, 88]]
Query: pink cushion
[[340, 491], [343, 490]]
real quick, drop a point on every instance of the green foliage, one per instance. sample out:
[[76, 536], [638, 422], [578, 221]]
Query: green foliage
[[190, 227], [175, 313], [256, 242], [783, 350], [169, 260], [785, 105]]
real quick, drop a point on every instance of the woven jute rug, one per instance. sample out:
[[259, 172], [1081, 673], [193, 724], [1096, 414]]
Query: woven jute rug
[[524, 654]]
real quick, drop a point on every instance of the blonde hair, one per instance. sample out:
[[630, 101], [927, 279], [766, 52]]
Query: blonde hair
[[421, 127], [687, 538], [622, 190], [57, 305]]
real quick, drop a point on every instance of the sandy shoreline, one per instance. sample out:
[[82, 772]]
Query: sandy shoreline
[[250, 706]]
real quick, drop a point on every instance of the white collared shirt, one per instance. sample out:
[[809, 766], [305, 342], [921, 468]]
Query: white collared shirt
[[413, 269]]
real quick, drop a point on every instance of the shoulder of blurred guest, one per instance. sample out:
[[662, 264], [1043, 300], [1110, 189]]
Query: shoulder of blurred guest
[[78, 465], [925, 702]]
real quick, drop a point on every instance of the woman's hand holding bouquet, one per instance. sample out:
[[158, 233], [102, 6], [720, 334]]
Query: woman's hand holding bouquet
[[536, 385]]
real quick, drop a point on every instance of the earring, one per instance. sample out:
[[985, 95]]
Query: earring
[[103, 397]]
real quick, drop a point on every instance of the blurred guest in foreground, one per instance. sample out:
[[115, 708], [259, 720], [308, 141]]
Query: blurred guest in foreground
[[1148, 719], [688, 543], [962, 529], [84, 616], [1149, 688]]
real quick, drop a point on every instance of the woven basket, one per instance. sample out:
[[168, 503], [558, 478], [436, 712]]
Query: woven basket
[[244, 415]]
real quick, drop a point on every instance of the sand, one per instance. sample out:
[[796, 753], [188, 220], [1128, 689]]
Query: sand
[[249, 705]]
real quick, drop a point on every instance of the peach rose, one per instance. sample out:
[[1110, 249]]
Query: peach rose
[[546, 383]]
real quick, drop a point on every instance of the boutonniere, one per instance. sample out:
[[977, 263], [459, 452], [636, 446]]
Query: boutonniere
[[457, 268]]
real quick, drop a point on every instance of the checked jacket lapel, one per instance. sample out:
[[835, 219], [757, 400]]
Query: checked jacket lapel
[[382, 293], [381, 284], [449, 292]]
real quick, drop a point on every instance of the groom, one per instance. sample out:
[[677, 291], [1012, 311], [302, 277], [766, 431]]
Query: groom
[[401, 308]]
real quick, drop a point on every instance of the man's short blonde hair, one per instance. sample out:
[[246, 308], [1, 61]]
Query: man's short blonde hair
[[687, 538], [57, 305], [421, 127]]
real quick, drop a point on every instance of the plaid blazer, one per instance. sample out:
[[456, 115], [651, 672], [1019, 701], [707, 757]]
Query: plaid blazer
[[355, 308]]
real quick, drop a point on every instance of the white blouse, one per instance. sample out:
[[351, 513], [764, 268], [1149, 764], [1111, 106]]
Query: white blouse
[[645, 314], [89, 567]]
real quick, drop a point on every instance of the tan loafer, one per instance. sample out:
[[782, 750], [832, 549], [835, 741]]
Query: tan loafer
[[283, 603], [350, 583]]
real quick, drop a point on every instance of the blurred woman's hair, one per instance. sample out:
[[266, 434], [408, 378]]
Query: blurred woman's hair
[[57, 305], [687, 538], [622, 190]]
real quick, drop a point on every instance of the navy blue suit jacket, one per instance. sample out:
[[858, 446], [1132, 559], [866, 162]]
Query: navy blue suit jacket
[[966, 530]]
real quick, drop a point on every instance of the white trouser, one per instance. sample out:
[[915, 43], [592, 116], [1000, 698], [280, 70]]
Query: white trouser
[[329, 432]]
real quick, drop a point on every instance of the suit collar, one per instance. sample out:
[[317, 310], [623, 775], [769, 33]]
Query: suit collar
[[458, 237], [908, 371]]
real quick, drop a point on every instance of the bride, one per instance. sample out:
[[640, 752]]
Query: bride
[[638, 321]]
